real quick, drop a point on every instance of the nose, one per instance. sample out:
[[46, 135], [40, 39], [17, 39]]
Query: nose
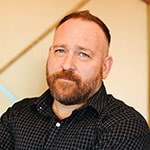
[[69, 62]]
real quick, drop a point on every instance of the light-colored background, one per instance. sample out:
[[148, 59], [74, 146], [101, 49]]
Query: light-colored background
[[22, 21]]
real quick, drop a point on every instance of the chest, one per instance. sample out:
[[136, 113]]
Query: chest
[[36, 132]]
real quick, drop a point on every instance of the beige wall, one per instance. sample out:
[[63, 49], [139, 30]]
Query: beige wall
[[23, 21]]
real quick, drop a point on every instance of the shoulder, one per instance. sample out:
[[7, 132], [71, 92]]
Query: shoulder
[[121, 126], [123, 122], [20, 107], [28, 104], [25, 103]]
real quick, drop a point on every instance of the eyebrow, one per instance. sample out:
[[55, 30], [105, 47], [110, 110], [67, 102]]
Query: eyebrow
[[62, 45]]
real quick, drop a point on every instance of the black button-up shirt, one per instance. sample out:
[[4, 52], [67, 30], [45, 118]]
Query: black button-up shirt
[[104, 123]]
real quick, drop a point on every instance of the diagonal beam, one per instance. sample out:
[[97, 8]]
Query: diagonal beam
[[38, 39]]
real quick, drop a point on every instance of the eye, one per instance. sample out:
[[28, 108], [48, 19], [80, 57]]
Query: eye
[[83, 55], [59, 51]]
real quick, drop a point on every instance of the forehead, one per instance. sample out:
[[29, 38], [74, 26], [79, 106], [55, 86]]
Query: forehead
[[79, 23], [80, 31]]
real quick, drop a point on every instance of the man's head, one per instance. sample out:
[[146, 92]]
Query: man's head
[[78, 59]]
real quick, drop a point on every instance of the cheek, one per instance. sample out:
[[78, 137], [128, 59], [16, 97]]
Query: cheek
[[90, 72], [52, 65]]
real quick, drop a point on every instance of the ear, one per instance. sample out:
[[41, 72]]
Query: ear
[[107, 66]]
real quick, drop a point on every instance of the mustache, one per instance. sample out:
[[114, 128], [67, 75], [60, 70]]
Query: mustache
[[68, 75]]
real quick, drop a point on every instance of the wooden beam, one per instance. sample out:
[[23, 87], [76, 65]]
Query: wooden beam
[[39, 38]]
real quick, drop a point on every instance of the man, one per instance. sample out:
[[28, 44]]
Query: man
[[75, 113]]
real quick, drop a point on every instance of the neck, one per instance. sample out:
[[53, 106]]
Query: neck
[[64, 111]]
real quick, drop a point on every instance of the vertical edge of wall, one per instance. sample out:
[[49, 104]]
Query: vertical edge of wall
[[148, 18]]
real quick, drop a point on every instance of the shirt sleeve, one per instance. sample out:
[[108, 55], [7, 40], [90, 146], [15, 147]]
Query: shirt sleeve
[[6, 135]]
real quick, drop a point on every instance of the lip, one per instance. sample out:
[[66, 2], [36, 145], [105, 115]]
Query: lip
[[66, 80]]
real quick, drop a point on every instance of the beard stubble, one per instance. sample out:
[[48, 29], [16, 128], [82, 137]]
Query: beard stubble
[[73, 90]]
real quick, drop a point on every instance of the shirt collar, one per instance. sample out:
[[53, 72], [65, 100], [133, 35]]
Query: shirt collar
[[44, 103], [98, 101]]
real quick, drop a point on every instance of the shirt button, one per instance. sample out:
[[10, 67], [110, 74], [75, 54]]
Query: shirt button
[[58, 124]]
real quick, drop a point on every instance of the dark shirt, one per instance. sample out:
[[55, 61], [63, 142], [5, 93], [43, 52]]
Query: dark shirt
[[104, 123]]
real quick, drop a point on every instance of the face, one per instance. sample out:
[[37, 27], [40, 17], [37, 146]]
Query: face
[[77, 61]]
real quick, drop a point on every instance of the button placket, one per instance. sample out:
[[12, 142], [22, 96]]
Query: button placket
[[58, 124]]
